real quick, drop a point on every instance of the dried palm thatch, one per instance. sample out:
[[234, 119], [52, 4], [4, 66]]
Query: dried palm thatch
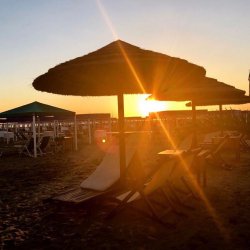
[[116, 68], [208, 89]]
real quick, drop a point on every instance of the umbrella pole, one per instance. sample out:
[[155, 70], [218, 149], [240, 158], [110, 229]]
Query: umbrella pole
[[75, 132], [221, 121], [122, 148], [89, 131], [194, 140]]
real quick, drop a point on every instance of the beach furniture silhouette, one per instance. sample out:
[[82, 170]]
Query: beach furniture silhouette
[[185, 143], [167, 189], [105, 179], [27, 148], [245, 143], [43, 144], [208, 139], [18, 137], [213, 156]]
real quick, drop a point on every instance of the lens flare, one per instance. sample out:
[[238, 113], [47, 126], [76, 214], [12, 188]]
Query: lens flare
[[205, 200], [148, 106]]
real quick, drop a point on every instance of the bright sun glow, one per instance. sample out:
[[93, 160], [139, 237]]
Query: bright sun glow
[[147, 106]]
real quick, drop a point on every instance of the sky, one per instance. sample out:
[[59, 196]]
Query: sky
[[36, 35]]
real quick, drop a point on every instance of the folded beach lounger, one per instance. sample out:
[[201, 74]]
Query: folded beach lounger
[[104, 179], [168, 189], [213, 155]]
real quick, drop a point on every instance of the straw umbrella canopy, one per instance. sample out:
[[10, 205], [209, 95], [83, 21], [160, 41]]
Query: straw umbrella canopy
[[207, 90], [116, 69], [223, 100]]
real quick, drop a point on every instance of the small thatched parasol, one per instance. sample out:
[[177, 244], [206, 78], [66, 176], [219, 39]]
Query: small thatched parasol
[[116, 69], [208, 90], [222, 101]]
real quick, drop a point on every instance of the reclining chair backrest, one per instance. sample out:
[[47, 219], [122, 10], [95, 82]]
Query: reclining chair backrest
[[170, 170], [108, 172], [220, 145]]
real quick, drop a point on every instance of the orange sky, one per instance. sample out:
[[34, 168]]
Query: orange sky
[[36, 36]]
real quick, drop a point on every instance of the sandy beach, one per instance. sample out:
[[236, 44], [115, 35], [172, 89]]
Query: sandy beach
[[29, 221]]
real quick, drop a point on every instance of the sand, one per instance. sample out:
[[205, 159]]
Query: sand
[[28, 221]]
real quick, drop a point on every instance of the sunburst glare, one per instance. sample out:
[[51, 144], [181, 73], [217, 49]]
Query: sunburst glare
[[147, 106]]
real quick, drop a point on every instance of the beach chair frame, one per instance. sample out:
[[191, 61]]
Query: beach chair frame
[[171, 199]]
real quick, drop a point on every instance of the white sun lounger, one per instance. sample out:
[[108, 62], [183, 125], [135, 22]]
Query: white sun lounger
[[104, 177], [108, 172]]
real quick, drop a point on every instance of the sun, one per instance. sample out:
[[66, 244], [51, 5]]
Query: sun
[[147, 106]]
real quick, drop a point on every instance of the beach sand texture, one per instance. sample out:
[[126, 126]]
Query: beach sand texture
[[27, 222]]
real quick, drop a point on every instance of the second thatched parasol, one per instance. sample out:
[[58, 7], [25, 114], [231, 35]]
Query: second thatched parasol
[[206, 91]]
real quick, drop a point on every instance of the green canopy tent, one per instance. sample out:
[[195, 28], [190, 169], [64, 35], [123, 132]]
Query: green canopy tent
[[118, 68], [208, 89], [37, 110]]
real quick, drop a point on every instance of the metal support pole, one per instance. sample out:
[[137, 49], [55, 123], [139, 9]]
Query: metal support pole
[[39, 128], [34, 134], [89, 130]]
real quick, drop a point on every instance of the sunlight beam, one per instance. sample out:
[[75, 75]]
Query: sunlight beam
[[211, 210], [116, 37], [208, 205]]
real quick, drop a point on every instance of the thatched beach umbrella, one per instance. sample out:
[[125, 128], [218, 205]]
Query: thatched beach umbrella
[[203, 91], [116, 69], [223, 100], [206, 90]]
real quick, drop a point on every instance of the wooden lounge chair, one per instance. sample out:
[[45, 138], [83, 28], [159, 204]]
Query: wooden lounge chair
[[104, 180], [212, 156], [168, 189], [208, 139]]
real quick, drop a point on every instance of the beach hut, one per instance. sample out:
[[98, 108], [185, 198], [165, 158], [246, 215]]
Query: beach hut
[[37, 110], [119, 68]]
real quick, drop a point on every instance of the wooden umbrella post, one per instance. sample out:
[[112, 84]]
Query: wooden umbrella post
[[75, 133], [122, 147], [194, 140], [221, 121]]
